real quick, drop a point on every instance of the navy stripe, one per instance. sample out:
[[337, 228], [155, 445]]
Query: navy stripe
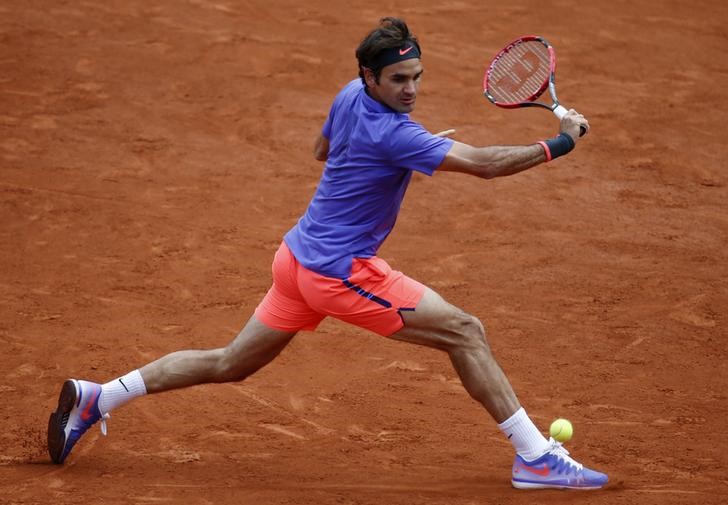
[[366, 294], [122, 383]]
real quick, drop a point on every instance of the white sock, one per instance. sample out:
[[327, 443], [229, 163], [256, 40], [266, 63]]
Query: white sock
[[119, 391], [523, 434]]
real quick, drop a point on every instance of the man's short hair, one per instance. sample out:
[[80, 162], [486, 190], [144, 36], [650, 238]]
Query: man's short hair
[[391, 33]]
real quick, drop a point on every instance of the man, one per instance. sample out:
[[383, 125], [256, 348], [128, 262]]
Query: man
[[327, 265]]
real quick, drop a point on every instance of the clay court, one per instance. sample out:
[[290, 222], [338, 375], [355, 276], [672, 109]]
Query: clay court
[[152, 155]]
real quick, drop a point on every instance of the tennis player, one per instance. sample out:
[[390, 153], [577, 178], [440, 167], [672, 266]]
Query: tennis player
[[327, 265]]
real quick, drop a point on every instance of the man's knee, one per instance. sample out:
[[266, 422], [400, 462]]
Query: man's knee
[[469, 331], [229, 366], [247, 354]]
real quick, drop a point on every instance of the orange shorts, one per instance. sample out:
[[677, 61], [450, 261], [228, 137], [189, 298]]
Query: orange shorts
[[372, 297]]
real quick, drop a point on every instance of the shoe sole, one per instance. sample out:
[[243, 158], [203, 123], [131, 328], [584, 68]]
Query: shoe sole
[[537, 485], [58, 421]]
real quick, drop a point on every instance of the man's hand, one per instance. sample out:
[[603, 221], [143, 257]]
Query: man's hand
[[572, 123]]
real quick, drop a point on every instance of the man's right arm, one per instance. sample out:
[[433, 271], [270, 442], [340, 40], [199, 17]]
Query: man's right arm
[[491, 161], [499, 161]]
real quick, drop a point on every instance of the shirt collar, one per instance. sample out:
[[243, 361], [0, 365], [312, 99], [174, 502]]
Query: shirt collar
[[373, 105]]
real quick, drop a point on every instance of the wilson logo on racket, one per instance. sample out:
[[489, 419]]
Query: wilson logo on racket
[[520, 73]]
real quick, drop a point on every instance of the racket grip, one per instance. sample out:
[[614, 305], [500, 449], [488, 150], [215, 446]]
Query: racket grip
[[561, 111]]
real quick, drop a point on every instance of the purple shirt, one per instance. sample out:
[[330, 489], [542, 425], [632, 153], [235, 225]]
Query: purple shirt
[[372, 153]]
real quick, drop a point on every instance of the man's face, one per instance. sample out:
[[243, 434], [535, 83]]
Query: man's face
[[398, 84]]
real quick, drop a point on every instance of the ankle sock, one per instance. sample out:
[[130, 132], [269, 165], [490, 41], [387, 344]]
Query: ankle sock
[[527, 440], [119, 391]]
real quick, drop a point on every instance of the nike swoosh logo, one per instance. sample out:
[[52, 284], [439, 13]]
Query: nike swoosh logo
[[543, 470], [86, 413], [402, 52]]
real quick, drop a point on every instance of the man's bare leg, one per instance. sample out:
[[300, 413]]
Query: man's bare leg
[[254, 347], [81, 403], [538, 464], [436, 323]]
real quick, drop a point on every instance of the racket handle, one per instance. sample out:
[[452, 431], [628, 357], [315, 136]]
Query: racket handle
[[561, 111]]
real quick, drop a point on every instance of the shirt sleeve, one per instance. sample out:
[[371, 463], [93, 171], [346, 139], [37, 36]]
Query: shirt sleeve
[[345, 94], [326, 130], [414, 148]]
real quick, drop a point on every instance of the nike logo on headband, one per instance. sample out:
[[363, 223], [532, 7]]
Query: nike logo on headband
[[402, 52]]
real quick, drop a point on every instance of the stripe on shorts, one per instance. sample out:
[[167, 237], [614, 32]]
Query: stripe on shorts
[[366, 294]]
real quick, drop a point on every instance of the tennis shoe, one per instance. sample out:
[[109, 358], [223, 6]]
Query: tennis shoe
[[77, 411], [555, 469]]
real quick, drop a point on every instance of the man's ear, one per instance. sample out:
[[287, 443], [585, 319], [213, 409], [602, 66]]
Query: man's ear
[[369, 77]]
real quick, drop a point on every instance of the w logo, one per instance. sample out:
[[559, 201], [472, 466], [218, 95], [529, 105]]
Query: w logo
[[519, 73]]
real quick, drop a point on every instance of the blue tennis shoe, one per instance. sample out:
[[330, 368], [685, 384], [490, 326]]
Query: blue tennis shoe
[[77, 411], [555, 469]]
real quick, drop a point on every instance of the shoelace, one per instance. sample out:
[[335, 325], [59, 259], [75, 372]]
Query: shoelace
[[564, 459], [103, 419]]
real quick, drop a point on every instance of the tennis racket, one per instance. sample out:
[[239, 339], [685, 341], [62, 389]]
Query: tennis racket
[[520, 73]]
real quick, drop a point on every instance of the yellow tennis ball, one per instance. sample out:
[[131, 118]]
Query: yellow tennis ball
[[561, 430]]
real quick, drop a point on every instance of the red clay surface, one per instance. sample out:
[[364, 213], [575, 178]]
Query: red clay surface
[[152, 154]]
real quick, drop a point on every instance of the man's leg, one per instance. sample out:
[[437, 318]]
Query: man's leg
[[81, 403], [254, 347], [438, 324], [538, 463]]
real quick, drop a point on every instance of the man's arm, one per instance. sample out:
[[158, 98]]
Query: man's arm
[[499, 161], [321, 149], [492, 161]]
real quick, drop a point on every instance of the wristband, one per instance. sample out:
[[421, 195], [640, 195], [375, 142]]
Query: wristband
[[557, 146]]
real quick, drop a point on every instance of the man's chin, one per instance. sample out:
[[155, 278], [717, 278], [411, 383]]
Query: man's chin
[[406, 107]]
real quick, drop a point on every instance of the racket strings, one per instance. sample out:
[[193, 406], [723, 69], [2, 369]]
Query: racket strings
[[521, 73]]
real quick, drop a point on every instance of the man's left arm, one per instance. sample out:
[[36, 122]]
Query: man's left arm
[[321, 148]]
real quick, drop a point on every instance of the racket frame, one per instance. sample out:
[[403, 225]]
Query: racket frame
[[555, 107]]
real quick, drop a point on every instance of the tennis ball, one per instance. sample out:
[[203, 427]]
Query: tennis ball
[[561, 430]]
